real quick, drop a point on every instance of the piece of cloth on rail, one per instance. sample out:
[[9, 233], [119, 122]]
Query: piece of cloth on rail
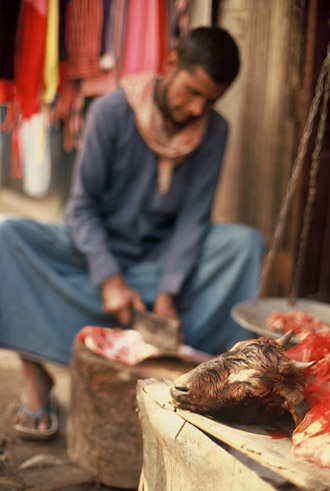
[[30, 55], [84, 39], [145, 38], [46, 295]]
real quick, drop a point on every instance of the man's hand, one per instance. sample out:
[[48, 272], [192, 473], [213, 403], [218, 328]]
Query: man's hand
[[118, 298], [164, 305]]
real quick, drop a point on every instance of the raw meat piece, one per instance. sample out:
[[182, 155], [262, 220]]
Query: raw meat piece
[[126, 346], [300, 322]]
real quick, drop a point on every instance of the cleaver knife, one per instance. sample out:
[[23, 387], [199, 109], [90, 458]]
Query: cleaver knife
[[161, 332], [165, 334]]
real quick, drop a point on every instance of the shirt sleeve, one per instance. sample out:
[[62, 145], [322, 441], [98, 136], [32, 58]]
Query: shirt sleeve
[[83, 212], [193, 220]]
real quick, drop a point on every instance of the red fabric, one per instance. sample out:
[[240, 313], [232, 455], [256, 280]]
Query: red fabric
[[311, 439], [313, 347], [16, 155], [8, 96], [315, 394], [163, 35], [29, 58], [84, 38], [7, 91]]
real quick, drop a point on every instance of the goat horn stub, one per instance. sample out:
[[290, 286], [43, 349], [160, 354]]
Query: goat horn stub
[[302, 365], [284, 340]]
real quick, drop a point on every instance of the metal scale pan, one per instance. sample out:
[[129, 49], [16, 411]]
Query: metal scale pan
[[252, 315]]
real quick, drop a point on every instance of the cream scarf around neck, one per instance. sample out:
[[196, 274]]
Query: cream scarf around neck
[[170, 149]]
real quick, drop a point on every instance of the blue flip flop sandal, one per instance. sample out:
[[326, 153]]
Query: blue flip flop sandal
[[35, 433]]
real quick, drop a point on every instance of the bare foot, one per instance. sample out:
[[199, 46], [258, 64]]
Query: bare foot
[[38, 386]]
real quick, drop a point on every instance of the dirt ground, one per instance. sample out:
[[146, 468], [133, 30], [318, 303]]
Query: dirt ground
[[50, 469]]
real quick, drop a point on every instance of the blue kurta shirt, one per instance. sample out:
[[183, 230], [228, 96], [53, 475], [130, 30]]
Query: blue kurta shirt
[[115, 213]]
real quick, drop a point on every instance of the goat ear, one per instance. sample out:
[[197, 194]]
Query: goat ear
[[291, 389], [298, 407]]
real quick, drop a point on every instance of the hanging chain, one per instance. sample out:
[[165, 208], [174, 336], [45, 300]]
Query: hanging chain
[[277, 237], [311, 192]]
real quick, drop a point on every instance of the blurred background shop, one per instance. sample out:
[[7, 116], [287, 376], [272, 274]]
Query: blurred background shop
[[56, 56]]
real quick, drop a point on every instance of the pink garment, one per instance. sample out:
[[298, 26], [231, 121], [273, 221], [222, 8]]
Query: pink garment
[[144, 40]]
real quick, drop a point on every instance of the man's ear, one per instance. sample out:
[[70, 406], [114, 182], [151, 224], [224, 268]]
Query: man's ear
[[171, 63]]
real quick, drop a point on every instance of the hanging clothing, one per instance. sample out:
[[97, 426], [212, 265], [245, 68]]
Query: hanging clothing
[[107, 54], [178, 23], [51, 66], [62, 30], [145, 38], [30, 55], [9, 13], [84, 38], [16, 152], [36, 155]]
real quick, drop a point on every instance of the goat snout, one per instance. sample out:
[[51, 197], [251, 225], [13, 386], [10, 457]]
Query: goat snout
[[182, 383]]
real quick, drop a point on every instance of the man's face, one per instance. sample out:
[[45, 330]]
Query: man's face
[[188, 95]]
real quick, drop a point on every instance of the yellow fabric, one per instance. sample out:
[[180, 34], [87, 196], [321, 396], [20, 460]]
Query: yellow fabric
[[51, 72]]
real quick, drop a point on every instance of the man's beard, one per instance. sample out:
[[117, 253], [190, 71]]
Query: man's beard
[[167, 113]]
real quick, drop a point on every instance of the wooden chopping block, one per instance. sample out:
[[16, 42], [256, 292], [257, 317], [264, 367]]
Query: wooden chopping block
[[103, 429], [188, 451]]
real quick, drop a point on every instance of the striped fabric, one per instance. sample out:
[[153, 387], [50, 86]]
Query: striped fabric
[[84, 38]]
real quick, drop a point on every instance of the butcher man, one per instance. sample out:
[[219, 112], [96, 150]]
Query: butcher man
[[137, 229]]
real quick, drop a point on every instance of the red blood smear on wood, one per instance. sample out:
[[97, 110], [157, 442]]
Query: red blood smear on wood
[[278, 434]]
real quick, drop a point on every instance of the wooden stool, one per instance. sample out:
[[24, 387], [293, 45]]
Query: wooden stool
[[103, 430]]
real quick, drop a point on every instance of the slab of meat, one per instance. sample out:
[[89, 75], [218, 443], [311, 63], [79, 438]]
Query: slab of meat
[[126, 346], [300, 322]]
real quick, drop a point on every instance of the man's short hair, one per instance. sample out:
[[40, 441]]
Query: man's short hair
[[213, 49]]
